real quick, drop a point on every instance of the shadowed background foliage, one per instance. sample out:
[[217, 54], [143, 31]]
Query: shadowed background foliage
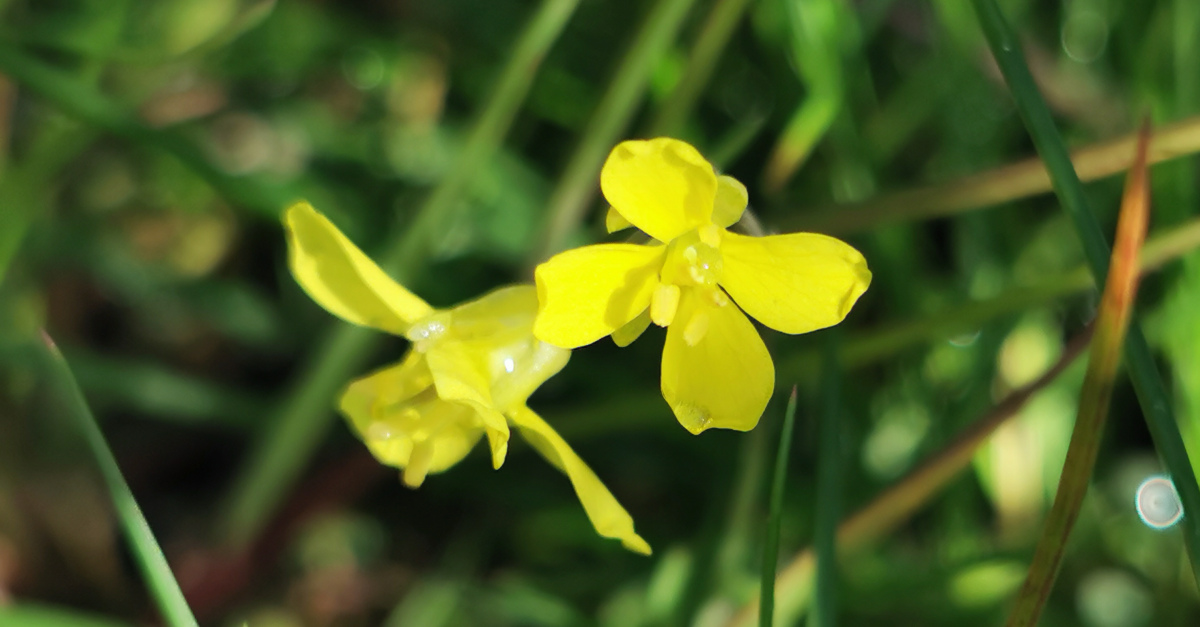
[[147, 149]]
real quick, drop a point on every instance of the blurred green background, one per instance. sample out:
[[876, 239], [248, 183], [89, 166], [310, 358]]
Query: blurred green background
[[148, 147]]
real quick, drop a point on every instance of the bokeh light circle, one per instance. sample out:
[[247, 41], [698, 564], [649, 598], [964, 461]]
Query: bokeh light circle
[[1157, 503]]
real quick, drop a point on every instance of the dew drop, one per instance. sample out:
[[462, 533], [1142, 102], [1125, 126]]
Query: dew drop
[[380, 431], [693, 418], [1157, 503]]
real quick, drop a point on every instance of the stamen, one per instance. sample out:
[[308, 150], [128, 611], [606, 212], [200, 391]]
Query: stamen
[[663, 304], [418, 464], [696, 328]]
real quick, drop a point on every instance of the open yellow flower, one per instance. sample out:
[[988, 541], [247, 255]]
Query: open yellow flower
[[716, 371], [469, 372]]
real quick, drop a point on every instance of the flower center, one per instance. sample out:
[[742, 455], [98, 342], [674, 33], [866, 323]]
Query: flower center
[[693, 262], [694, 259]]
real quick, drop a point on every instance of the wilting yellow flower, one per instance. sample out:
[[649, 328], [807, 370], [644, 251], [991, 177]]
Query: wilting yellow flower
[[716, 371], [469, 372]]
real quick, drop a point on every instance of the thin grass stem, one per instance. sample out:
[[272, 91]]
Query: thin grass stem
[[770, 561]]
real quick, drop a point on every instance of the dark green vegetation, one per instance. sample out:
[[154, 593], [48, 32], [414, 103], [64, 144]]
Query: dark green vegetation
[[149, 146]]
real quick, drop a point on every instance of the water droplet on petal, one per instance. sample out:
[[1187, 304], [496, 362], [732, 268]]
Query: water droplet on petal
[[509, 365], [380, 431], [693, 417]]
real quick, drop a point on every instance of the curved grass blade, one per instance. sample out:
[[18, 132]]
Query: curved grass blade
[[1157, 408], [146, 552], [1116, 308], [775, 517], [894, 505]]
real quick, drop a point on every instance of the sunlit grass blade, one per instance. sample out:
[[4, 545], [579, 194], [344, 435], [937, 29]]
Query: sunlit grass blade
[[578, 182], [145, 549], [901, 500], [770, 560], [702, 60], [1156, 403], [305, 413], [829, 487], [1116, 308], [997, 186]]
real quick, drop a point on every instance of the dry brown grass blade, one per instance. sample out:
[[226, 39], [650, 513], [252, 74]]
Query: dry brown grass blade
[[1112, 321]]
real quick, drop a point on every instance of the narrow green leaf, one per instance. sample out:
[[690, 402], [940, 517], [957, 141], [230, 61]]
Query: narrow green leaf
[[766, 614], [1156, 404], [146, 552], [37, 615], [829, 487]]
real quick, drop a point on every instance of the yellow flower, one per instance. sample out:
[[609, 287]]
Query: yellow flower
[[716, 371], [469, 372]]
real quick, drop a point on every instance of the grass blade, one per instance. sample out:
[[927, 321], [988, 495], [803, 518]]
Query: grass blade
[[999, 185], [305, 414], [577, 184], [702, 60], [775, 518], [894, 505], [1116, 307], [146, 552], [829, 487], [1156, 404]]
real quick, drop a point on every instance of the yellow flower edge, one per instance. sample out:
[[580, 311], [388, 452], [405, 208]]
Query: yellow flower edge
[[716, 372], [469, 372]]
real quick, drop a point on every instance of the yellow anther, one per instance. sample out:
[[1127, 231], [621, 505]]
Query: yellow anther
[[663, 304], [718, 298]]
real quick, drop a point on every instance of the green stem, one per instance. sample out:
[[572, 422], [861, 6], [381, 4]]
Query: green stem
[[146, 552], [1152, 395]]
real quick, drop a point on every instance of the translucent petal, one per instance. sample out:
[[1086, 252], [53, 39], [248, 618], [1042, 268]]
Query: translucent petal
[[632, 330], [716, 371], [587, 293], [460, 376], [731, 201], [607, 516], [662, 186], [614, 221], [794, 283], [372, 402], [337, 275]]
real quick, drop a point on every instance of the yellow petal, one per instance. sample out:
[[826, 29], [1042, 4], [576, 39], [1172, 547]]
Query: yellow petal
[[587, 293], [607, 516], [794, 283], [731, 201], [460, 376], [373, 405], [716, 371], [663, 186], [614, 221], [337, 275]]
